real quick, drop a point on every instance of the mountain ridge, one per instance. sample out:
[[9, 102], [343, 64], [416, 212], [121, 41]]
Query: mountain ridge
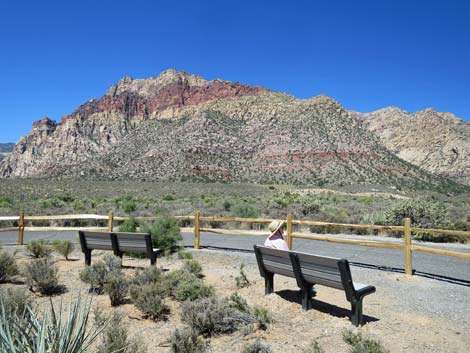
[[226, 131]]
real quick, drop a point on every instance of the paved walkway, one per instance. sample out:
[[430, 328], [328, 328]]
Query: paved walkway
[[440, 267]]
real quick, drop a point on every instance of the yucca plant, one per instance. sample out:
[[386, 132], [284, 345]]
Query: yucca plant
[[51, 332]]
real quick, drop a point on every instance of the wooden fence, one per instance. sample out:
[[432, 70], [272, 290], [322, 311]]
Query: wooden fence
[[406, 245]]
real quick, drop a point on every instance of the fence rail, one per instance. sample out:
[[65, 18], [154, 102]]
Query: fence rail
[[406, 245]]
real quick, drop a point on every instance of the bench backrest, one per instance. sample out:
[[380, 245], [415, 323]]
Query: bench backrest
[[319, 269], [274, 261], [96, 240], [133, 242]]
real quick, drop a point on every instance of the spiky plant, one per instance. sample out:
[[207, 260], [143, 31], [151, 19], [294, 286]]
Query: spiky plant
[[51, 332]]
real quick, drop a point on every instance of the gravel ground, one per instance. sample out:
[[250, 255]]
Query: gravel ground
[[408, 314]]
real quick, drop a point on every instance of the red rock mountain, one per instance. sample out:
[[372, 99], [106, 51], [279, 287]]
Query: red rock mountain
[[181, 126]]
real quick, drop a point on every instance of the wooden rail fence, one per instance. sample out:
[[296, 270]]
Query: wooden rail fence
[[407, 246]]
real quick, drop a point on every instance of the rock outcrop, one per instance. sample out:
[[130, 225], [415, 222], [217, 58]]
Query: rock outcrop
[[437, 142]]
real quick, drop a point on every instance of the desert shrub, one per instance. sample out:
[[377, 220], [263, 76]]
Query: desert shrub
[[39, 248], [313, 347], [41, 275], [360, 344], [186, 341], [116, 287], [245, 210], [422, 213], [263, 317], [96, 274], [130, 225], [257, 347], [15, 301], [115, 337], [8, 266], [185, 255], [227, 205], [309, 206], [63, 247], [165, 234], [238, 302], [50, 332], [242, 280], [189, 287], [5, 202], [129, 206], [194, 267], [149, 300], [212, 316]]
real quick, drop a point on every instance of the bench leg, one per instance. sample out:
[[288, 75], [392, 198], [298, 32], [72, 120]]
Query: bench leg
[[153, 260], [269, 283], [307, 297], [356, 317], [87, 257]]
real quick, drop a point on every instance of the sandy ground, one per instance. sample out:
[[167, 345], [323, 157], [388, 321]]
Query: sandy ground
[[408, 314]]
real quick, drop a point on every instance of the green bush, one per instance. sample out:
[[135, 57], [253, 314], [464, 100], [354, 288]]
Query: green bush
[[116, 287], [168, 198], [185, 255], [15, 301], [186, 286], [186, 341], [129, 206], [148, 300], [194, 267], [165, 234], [245, 210], [115, 338], [129, 226], [238, 302], [213, 316], [263, 317], [8, 266], [63, 247], [41, 275], [308, 207], [422, 213], [242, 280], [360, 344], [97, 273], [257, 347], [39, 248], [48, 333]]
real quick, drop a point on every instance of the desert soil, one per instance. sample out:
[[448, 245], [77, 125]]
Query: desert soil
[[408, 314]]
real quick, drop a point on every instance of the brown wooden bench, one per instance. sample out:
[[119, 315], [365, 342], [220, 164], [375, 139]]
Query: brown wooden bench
[[310, 270], [119, 243]]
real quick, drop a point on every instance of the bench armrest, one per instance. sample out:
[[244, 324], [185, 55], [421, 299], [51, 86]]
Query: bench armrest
[[365, 291]]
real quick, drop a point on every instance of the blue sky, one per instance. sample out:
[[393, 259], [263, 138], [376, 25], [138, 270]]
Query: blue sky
[[366, 54]]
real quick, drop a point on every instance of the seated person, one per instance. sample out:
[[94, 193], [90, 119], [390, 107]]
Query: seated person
[[276, 239]]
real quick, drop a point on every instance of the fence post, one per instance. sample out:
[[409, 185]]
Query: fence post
[[408, 258], [21, 228], [289, 231], [196, 230], [110, 221]]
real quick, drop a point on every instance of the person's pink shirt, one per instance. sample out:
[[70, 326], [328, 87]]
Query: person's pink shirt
[[276, 241]]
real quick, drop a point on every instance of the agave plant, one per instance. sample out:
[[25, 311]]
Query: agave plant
[[50, 332]]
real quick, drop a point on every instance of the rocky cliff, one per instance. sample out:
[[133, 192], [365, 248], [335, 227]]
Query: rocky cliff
[[437, 142], [181, 126]]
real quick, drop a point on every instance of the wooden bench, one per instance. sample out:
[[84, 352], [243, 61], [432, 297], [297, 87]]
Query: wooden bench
[[119, 243], [309, 270]]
